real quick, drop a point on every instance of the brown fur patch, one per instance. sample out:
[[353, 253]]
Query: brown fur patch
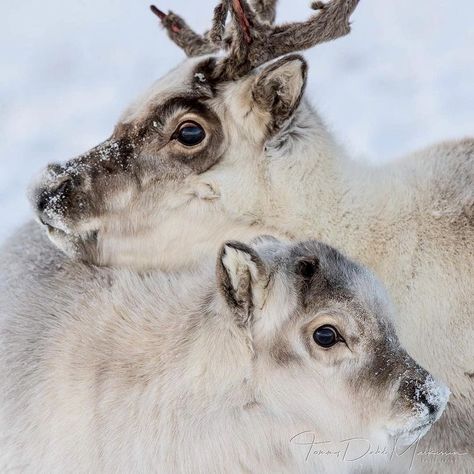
[[282, 353]]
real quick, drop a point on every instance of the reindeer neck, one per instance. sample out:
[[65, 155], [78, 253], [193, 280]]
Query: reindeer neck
[[140, 252], [318, 192], [223, 406]]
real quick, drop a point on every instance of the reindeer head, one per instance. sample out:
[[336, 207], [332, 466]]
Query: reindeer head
[[186, 162], [323, 348]]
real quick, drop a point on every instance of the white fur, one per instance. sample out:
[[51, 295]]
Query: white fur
[[153, 374], [410, 221]]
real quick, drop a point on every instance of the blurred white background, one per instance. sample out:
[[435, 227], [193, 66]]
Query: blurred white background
[[403, 79]]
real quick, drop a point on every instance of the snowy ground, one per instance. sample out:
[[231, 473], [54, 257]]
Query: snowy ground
[[403, 79]]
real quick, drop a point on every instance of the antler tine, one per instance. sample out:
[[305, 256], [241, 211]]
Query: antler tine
[[245, 39], [186, 38], [265, 9], [331, 22]]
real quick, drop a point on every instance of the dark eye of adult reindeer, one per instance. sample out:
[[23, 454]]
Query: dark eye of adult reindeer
[[326, 336], [190, 134]]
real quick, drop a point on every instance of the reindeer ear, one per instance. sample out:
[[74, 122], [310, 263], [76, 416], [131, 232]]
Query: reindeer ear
[[242, 278], [279, 87]]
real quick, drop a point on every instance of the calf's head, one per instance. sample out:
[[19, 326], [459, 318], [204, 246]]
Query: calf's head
[[323, 348], [185, 166]]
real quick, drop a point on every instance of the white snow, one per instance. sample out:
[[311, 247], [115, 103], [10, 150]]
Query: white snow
[[403, 79]]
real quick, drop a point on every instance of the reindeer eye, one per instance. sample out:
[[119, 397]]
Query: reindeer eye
[[326, 336], [190, 134]]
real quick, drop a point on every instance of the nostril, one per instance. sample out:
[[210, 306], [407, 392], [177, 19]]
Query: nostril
[[48, 196], [42, 201], [424, 399], [64, 187]]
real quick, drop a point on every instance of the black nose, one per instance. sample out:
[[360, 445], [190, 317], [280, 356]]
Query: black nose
[[42, 200], [50, 194]]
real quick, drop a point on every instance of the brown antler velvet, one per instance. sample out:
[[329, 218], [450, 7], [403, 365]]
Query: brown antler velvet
[[190, 42], [266, 9], [194, 44], [251, 39]]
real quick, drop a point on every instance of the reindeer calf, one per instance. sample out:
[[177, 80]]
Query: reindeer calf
[[242, 369]]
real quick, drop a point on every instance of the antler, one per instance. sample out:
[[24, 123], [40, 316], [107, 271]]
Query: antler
[[331, 22], [265, 9], [251, 39], [194, 44]]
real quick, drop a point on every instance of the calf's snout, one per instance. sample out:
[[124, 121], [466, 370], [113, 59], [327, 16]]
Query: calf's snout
[[426, 400], [431, 396]]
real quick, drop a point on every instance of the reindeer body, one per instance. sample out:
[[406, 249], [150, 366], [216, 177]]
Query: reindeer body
[[160, 373]]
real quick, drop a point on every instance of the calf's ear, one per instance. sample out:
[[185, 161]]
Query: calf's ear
[[278, 88], [242, 278]]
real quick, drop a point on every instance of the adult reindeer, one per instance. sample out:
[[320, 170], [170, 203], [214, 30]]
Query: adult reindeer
[[225, 147]]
